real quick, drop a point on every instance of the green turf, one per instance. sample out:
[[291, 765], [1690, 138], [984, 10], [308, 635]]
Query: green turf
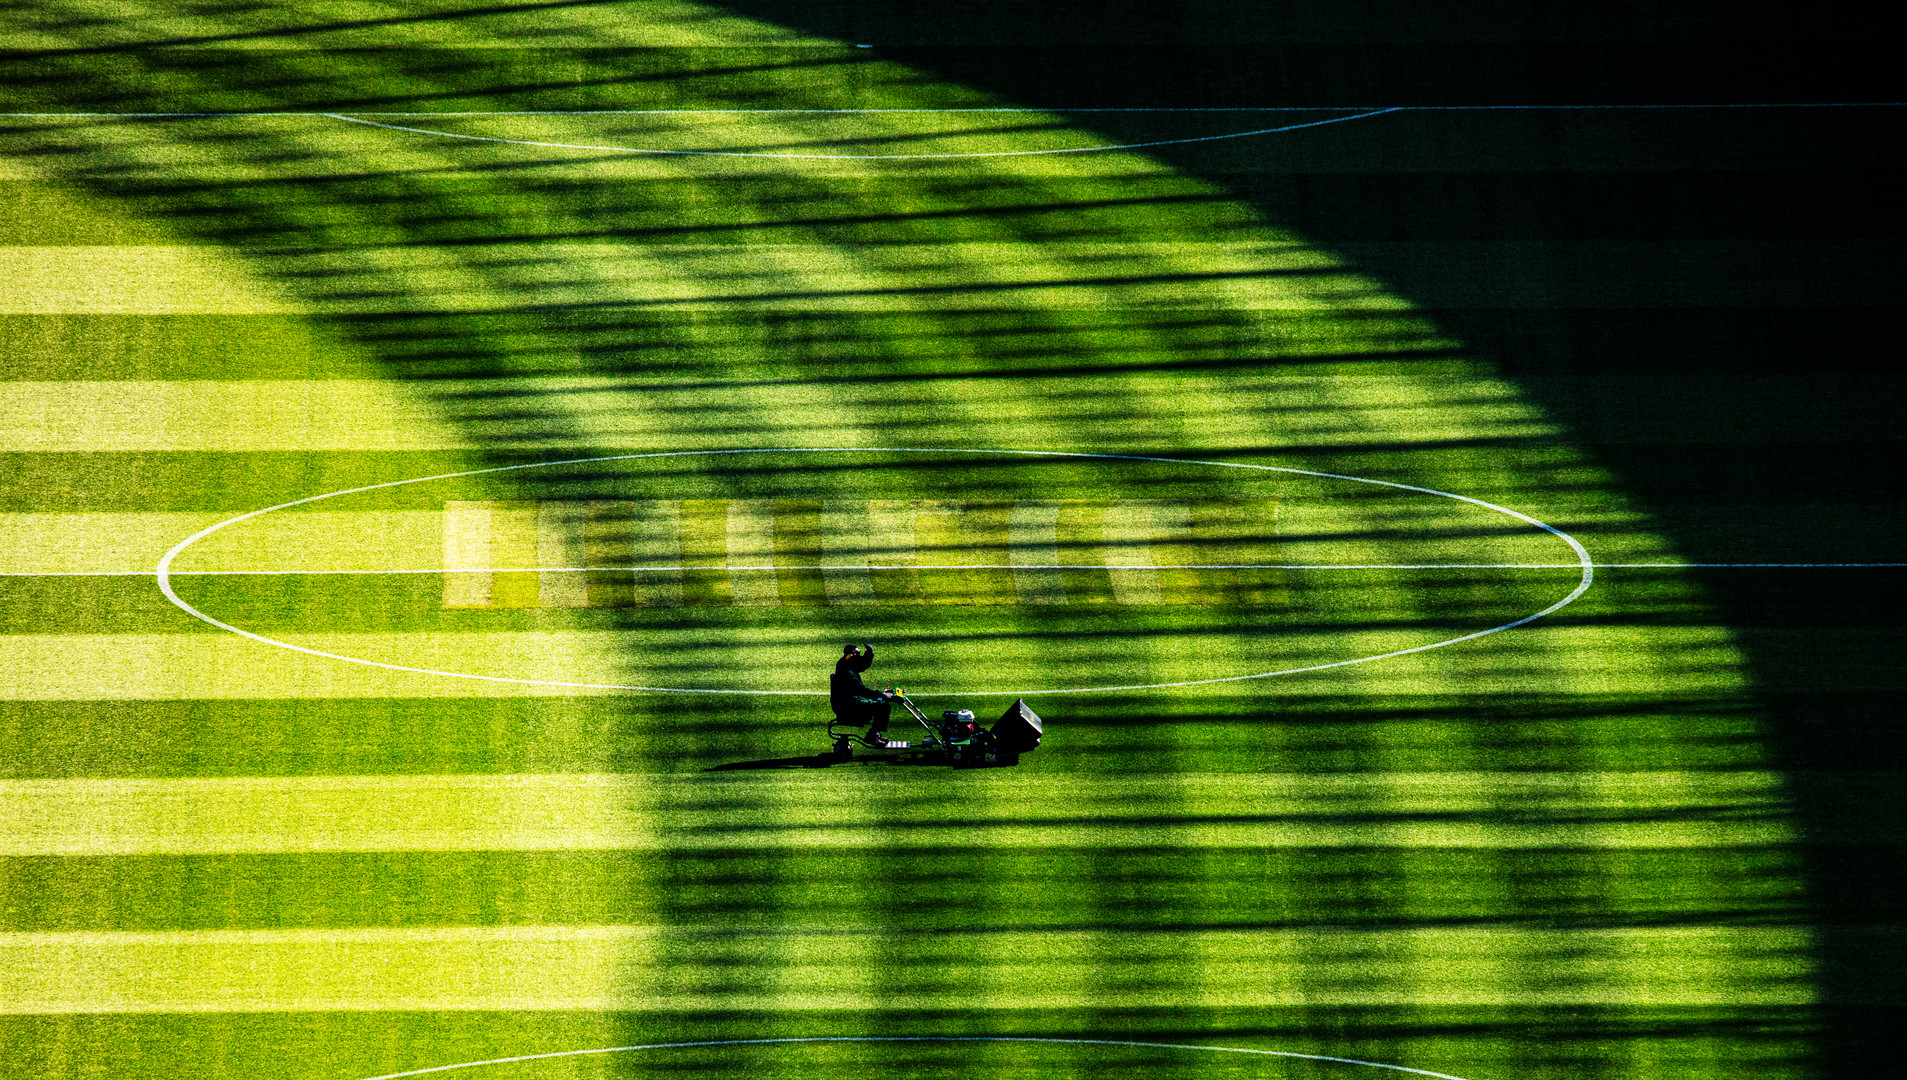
[[1163, 885], [1124, 733], [1561, 851]]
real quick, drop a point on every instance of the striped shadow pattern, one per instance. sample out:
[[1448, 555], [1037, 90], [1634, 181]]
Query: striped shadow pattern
[[804, 552]]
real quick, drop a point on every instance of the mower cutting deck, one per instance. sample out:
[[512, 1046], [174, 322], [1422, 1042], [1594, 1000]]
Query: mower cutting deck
[[954, 738]]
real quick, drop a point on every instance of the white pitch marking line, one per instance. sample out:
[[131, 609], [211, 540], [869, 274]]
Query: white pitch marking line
[[920, 1038], [969, 109], [1360, 113], [986, 566], [852, 157]]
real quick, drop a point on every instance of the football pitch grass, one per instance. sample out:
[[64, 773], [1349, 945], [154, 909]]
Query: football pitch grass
[[1032, 421]]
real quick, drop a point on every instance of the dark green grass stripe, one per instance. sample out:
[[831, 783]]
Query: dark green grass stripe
[[106, 79], [214, 482], [406, 603], [1067, 886], [1126, 733], [732, 346], [319, 737], [364, 212], [164, 347], [870, 209]]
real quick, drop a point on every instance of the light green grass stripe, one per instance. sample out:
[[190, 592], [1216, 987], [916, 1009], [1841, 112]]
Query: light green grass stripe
[[162, 280], [48, 543], [480, 536], [1161, 410], [136, 280], [225, 415], [356, 23], [737, 345], [1127, 734], [782, 657], [624, 811], [99, 667], [178, 279], [643, 968], [974, 887]]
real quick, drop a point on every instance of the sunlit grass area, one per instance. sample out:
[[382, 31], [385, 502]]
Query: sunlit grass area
[[453, 808]]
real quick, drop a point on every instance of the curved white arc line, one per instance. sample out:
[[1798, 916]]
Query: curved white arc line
[[1050, 109], [917, 1039], [1108, 567], [977, 566], [163, 572], [852, 157], [1582, 555]]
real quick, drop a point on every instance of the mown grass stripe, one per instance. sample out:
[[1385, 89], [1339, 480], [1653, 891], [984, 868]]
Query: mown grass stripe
[[751, 542], [136, 280], [217, 482], [1327, 604], [1265, 274], [622, 811], [703, 532], [1130, 734], [976, 887], [779, 655], [166, 348], [958, 659], [126, 416], [847, 545], [799, 547], [650, 968], [736, 346], [466, 531], [482, 535], [100, 667], [561, 542]]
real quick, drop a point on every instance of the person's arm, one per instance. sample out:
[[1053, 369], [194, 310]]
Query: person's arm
[[858, 691]]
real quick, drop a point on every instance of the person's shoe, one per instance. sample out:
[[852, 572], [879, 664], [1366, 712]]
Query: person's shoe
[[876, 738]]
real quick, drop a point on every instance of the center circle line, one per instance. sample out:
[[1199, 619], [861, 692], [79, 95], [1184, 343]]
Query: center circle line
[[358, 119], [163, 572], [919, 1039]]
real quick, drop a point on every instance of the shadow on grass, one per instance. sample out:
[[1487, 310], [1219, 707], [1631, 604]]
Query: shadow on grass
[[1745, 429]]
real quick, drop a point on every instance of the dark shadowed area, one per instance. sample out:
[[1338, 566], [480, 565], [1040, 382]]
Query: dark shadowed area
[[1672, 327]]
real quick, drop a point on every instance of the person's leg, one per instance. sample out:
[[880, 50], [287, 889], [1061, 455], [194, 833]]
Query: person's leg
[[877, 718]]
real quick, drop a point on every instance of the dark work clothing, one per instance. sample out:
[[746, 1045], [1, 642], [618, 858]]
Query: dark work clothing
[[852, 701]]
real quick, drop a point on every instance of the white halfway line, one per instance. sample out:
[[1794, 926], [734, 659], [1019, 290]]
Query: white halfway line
[[986, 566]]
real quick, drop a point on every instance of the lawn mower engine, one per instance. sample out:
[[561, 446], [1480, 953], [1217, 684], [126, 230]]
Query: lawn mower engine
[[954, 738]]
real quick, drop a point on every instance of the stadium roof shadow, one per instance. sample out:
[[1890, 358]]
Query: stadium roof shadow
[[1824, 438], [1807, 421]]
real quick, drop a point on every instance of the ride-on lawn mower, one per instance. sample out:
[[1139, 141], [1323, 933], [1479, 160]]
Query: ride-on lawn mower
[[954, 738]]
